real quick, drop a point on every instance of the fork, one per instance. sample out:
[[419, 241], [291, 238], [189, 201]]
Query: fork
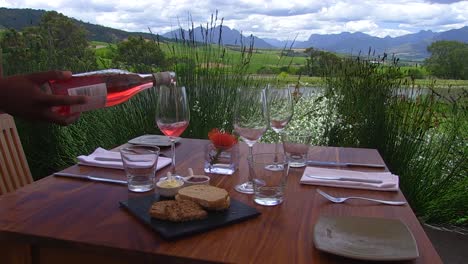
[[342, 199]]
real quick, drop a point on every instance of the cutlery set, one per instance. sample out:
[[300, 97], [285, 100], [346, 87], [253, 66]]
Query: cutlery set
[[324, 194], [310, 162]]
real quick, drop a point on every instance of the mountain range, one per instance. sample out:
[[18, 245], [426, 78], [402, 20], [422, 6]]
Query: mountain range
[[410, 47], [228, 36]]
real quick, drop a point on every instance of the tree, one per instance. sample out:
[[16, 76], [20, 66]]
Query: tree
[[66, 42], [13, 45], [56, 43], [449, 59], [139, 55], [319, 61]]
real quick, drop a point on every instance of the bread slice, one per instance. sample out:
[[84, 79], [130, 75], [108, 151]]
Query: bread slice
[[185, 211], [177, 211], [209, 197], [158, 209]]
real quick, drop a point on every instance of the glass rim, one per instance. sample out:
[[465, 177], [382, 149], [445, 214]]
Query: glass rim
[[147, 148], [282, 158]]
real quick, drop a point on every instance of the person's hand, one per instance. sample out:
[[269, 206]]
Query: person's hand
[[21, 96]]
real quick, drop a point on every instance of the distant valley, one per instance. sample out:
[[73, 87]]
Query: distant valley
[[408, 47]]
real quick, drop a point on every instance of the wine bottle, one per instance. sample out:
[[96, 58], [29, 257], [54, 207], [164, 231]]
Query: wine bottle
[[105, 88]]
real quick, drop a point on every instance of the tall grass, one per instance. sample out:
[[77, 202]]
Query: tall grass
[[211, 78], [426, 144], [422, 140]]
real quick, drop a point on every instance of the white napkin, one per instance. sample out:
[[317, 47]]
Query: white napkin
[[389, 180], [112, 159]]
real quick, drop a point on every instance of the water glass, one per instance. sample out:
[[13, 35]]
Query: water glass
[[296, 146], [140, 164], [269, 185]]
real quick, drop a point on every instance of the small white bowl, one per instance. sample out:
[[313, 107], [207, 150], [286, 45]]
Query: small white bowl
[[197, 180], [172, 189]]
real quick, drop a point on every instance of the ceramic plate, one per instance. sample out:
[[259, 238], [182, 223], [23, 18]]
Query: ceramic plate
[[152, 140], [365, 238]]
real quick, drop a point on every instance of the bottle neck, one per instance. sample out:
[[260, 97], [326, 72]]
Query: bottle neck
[[164, 78]]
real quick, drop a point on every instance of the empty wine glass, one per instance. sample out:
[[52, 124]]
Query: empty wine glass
[[280, 110], [250, 122], [173, 114]]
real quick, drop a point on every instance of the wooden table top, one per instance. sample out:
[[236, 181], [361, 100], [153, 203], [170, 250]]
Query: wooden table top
[[76, 214]]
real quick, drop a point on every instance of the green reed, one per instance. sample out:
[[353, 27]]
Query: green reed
[[422, 137]]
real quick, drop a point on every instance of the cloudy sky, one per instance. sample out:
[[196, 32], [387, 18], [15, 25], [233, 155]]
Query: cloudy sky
[[280, 19]]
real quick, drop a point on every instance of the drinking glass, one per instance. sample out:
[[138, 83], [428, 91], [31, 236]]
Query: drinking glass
[[280, 110], [296, 147], [140, 163], [173, 114], [250, 122], [269, 185]]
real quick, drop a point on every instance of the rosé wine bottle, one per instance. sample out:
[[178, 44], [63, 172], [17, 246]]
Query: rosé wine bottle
[[105, 88]]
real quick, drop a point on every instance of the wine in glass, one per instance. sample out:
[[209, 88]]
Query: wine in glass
[[280, 110], [250, 122], [173, 114]]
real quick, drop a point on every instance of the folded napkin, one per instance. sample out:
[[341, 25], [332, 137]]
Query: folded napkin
[[111, 159], [389, 180]]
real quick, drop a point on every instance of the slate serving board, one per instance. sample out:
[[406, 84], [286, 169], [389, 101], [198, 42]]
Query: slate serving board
[[139, 207]]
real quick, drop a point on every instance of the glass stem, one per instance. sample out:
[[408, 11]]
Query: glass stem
[[248, 160], [173, 169], [276, 150]]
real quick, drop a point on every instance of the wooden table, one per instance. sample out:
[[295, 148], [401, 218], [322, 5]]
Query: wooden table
[[61, 220]]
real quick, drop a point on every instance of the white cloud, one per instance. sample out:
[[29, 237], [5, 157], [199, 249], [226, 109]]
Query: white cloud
[[266, 18], [361, 26]]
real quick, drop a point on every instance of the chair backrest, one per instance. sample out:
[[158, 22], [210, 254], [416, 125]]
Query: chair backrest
[[14, 169]]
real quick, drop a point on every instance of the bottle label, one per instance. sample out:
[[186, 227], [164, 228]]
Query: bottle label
[[97, 97]]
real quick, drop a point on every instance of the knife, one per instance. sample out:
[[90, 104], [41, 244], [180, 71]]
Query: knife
[[335, 178], [344, 164], [88, 177], [120, 160]]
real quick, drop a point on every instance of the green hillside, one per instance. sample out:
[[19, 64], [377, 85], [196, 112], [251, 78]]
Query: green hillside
[[20, 18], [270, 59]]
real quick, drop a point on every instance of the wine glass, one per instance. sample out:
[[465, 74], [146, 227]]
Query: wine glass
[[173, 114], [280, 110], [250, 122]]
